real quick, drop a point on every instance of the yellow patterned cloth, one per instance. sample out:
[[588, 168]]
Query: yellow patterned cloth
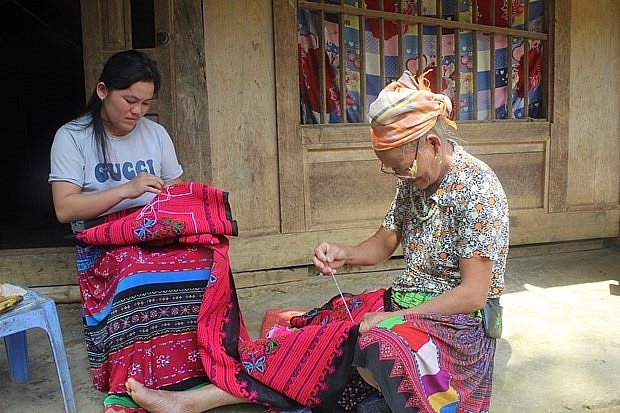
[[406, 110]]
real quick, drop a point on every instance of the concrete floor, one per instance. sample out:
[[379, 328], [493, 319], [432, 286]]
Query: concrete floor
[[560, 350]]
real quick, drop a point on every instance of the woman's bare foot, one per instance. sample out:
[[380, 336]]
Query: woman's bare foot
[[154, 401], [189, 401]]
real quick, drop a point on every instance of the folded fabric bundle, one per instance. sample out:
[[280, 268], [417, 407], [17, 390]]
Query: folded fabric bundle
[[180, 213]]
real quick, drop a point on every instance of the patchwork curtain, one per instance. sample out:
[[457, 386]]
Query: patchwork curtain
[[506, 54]]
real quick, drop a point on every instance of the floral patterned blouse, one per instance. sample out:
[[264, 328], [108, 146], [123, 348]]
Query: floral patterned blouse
[[467, 216]]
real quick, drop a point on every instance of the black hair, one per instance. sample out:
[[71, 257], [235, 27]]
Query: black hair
[[120, 71]]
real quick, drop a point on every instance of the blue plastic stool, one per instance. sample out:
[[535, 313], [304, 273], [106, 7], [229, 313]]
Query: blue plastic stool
[[35, 310]]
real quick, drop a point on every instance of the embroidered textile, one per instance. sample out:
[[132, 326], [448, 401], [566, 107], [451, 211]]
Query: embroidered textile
[[140, 300]]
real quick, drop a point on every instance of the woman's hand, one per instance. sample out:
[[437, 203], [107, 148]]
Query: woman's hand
[[328, 257], [370, 320], [378, 248], [142, 183], [71, 204]]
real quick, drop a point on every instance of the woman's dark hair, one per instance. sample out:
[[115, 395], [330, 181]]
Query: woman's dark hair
[[120, 71]]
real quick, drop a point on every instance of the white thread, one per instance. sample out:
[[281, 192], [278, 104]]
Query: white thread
[[341, 295], [154, 206]]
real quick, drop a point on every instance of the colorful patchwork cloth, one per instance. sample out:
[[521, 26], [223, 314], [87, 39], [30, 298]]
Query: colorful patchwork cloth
[[430, 362], [507, 71]]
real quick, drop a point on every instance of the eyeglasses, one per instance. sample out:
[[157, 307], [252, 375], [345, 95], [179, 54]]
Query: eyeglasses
[[411, 171]]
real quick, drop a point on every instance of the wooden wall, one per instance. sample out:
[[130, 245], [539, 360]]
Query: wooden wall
[[241, 93], [236, 115], [594, 115]]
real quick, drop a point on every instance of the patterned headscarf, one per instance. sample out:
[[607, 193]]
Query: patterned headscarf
[[406, 110]]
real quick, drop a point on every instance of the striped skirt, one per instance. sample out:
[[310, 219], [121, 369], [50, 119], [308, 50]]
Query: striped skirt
[[140, 307]]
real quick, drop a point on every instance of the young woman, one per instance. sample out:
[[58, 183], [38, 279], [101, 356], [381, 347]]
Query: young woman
[[140, 303]]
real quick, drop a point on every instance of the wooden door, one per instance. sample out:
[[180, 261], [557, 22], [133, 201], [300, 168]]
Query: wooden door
[[110, 26]]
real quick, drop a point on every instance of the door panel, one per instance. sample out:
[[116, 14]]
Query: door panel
[[107, 29]]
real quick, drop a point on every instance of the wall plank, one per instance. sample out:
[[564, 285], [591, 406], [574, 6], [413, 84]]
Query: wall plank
[[242, 119], [192, 137], [594, 140], [290, 150], [559, 92]]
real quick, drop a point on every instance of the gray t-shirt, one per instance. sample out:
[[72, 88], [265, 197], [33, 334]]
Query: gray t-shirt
[[75, 157]]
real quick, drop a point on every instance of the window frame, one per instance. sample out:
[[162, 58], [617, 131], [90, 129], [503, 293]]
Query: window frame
[[548, 137], [344, 12]]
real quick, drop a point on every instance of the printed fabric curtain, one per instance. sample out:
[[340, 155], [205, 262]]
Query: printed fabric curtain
[[508, 59]]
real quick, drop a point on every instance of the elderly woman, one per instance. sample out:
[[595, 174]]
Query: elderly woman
[[427, 349], [422, 342]]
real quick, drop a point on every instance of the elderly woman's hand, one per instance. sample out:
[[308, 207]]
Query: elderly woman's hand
[[328, 257], [370, 320]]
